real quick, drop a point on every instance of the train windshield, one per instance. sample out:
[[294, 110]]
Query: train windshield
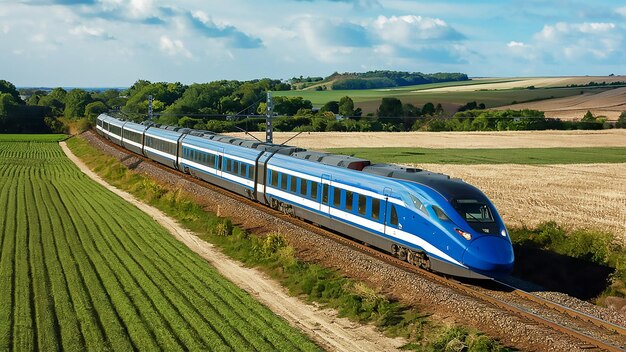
[[473, 210]]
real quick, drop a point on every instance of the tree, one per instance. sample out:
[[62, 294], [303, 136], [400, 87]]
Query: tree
[[8, 88], [621, 121], [346, 106], [588, 117], [93, 109], [7, 105], [332, 106], [439, 109], [428, 109], [54, 100], [390, 107], [410, 110], [166, 93], [75, 103], [290, 105], [189, 122]]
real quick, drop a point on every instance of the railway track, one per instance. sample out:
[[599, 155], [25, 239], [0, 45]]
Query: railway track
[[590, 331]]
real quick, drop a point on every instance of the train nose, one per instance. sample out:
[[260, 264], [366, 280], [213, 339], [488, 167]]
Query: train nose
[[489, 253]]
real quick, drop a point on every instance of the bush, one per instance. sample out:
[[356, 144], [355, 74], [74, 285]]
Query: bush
[[224, 228], [621, 121]]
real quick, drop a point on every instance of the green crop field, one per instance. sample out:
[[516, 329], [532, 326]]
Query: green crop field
[[81, 269], [43, 138], [488, 156]]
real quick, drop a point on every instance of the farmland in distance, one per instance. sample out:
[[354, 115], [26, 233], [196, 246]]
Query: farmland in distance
[[81, 269]]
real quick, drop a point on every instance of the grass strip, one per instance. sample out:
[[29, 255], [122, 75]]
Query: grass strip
[[530, 156]]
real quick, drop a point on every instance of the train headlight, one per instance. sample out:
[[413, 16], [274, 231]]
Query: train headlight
[[465, 234], [503, 232]]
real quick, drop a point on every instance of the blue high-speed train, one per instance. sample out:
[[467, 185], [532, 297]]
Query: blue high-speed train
[[427, 219]]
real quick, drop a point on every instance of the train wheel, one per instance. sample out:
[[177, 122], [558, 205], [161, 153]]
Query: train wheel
[[423, 261], [394, 250], [411, 257], [402, 253]]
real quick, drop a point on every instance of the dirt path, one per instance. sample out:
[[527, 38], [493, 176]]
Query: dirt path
[[322, 325]]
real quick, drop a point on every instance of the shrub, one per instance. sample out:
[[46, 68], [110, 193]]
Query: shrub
[[621, 121], [224, 228]]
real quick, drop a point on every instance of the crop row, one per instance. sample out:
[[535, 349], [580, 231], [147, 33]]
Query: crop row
[[83, 270]]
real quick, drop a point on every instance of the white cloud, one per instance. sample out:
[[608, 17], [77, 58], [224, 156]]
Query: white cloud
[[93, 32], [599, 40], [335, 40], [201, 16], [173, 47], [621, 11], [141, 8], [410, 29], [514, 44]]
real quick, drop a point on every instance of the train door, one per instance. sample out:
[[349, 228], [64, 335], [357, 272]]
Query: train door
[[392, 223], [325, 194], [220, 162]]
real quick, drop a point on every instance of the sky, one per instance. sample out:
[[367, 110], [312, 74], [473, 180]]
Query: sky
[[113, 43]]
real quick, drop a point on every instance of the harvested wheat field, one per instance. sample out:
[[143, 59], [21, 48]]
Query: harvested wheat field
[[609, 103], [508, 139], [575, 196], [523, 82]]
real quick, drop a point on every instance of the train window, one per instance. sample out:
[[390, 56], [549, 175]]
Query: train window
[[235, 167], [393, 217], [440, 214], [131, 135], [336, 197], [314, 190], [325, 193], [274, 178], [375, 208], [349, 199], [283, 181], [473, 210], [293, 186], [229, 165], [219, 162], [303, 184], [361, 204]]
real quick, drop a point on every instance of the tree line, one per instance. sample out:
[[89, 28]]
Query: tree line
[[228, 105], [389, 79]]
